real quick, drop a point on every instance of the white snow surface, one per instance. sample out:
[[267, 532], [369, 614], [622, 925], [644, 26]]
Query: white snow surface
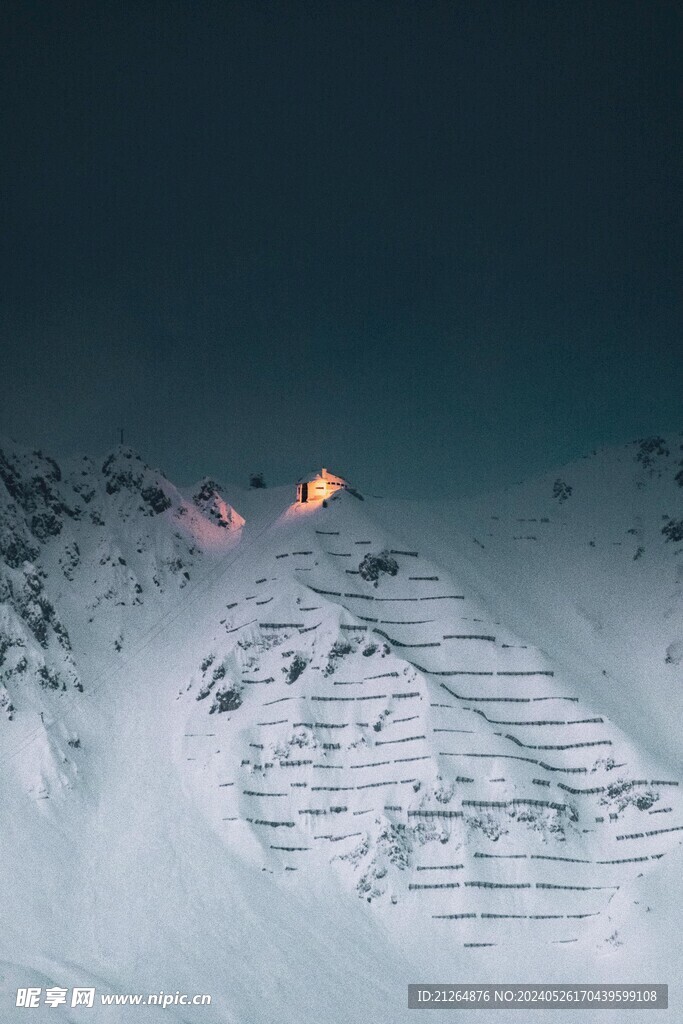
[[296, 757]]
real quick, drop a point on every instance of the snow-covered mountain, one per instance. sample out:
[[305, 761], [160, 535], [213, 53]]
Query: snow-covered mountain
[[270, 751]]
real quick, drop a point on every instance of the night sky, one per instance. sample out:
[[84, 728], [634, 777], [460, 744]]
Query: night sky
[[424, 244]]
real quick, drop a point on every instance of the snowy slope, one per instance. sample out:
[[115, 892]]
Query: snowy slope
[[299, 756], [587, 563]]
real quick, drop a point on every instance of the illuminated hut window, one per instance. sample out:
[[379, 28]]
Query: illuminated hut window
[[318, 486]]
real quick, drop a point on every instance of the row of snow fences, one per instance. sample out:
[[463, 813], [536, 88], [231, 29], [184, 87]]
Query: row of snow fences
[[525, 917], [253, 792], [492, 700], [272, 824], [316, 811], [558, 746], [516, 802], [470, 636], [510, 757], [346, 789], [455, 867], [475, 804], [440, 867], [378, 696], [572, 860], [403, 739], [396, 622], [468, 672], [652, 832], [434, 814], [371, 597], [321, 725], [511, 885], [434, 885], [549, 721]]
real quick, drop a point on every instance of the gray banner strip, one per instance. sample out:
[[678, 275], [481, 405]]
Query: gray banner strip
[[538, 997]]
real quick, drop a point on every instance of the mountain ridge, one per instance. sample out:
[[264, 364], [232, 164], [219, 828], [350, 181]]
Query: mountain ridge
[[307, 673]]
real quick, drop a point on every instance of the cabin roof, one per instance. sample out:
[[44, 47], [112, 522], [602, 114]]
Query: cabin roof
[[311, 477]]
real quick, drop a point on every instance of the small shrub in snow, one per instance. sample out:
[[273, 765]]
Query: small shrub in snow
[[673, 530], [492, 828], [49, 680], [561, 490], [372, 567], [624, 793], [338, 650], [226, 700], [297, 666], [649, 448]]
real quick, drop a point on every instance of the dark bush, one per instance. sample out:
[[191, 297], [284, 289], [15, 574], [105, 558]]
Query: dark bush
[[295, 669], [648, 450], [226, 700], [561, 490], [673, 530], [373, 566]]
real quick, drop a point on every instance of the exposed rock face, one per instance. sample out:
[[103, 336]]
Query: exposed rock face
[[97, 540]]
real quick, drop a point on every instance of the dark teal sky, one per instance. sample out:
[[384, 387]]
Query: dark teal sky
[[413, 241]]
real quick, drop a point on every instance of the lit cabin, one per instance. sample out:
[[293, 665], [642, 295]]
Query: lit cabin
[[318, 486]]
